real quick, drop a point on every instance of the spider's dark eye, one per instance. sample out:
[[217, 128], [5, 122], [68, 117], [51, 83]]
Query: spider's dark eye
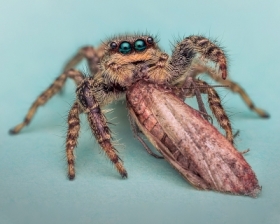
[[140, 45], [125, 47], [150, 40], [113, 45]]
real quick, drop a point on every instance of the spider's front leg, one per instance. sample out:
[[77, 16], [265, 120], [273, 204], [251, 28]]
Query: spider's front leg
[[89, 104], [191, 57], [193, 50]]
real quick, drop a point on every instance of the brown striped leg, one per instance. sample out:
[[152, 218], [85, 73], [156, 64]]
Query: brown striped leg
[[198, 67], [89, 54], [196, 48], [54, 88], [216, 108], [98, 124], [234, 87], [72, 138]]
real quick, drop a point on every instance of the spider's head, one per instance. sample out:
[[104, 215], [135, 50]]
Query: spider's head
[[134, 49], [123, 56]]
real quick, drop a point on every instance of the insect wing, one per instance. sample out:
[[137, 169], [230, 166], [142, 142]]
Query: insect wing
[[189, 143]]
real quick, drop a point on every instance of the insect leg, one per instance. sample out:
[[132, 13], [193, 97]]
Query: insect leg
[[55, 87], [98, 123], [72, 138], [136, 132]]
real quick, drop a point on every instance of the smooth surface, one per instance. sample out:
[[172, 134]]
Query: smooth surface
[[37, 37]]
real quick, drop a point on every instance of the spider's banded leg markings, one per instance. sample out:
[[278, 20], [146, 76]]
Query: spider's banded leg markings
[[217, 108], [72, 138], [187, 49], [98, 124], [54, 88], [89, 54], [234, 87], [198, 68]]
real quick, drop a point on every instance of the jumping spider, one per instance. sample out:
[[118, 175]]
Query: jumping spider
[[117, 63]]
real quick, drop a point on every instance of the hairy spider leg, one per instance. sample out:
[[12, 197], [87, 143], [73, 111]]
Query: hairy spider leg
[[192, 49], [72, 138], [98, 123], [198, 68], [217, 109], [90, 54], [190, 58], [196, 87], [184, 60], [236, 88], [54, 88]]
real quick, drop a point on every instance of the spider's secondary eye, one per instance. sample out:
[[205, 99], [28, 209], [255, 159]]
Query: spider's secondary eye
[[113, 45], [150, 40], [125, 47], [140, 45]]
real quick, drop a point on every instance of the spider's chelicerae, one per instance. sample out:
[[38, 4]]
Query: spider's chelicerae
[[117, 63]]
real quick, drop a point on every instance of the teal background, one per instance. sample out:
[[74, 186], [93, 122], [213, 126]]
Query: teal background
[[37, 37]]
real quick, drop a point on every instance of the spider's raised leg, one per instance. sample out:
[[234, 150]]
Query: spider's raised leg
[[195, 49], [90, 54], [55, 87], [190, 58], [97, 120]]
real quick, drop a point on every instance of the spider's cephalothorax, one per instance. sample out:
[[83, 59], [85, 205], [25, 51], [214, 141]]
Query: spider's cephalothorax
[[119, 62]]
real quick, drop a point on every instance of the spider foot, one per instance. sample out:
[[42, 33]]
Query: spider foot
[[16, 129]]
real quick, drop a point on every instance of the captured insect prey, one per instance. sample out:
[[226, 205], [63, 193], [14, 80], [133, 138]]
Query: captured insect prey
[[188, 142], [121, 67]]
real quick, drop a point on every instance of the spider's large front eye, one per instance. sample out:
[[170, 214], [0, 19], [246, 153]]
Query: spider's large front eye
[[140, 45], [125, 47]]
